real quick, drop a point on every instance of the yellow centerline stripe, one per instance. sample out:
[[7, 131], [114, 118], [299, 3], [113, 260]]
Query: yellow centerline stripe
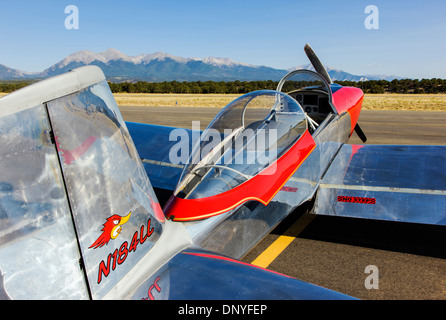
[[272, 252], [277, 247]]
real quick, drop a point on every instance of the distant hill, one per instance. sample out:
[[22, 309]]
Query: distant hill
[[340, 75], [159, 66], [14, 74]]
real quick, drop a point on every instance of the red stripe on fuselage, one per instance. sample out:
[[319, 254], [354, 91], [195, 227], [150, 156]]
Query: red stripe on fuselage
[[262, 187]]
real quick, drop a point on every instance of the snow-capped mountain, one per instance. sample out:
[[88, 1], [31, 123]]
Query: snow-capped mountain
[[341, 75], [110, 55], [160, 66], [225, 62]]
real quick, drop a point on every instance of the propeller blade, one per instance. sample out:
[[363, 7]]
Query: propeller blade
[[360, 133], [318, 66]]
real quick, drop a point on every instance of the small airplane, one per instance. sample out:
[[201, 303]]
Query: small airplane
[[80, 216]]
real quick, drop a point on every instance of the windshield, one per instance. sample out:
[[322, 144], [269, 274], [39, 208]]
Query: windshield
[[312, 92], [298, 80], [248, 135]]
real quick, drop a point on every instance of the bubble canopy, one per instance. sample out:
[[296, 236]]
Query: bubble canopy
[[244, 140]]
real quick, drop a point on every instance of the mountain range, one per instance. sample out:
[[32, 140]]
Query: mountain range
[[159, 66]]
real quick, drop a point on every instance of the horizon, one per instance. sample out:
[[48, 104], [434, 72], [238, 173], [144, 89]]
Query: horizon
[[252, 32]]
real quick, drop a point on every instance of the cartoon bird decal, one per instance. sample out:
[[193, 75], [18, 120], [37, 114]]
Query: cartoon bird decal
[[111, 230]]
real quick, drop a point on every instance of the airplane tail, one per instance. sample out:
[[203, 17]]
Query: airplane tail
[[68, 165]]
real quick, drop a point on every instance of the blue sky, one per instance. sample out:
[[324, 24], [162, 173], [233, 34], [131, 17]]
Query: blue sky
[[410, 41]]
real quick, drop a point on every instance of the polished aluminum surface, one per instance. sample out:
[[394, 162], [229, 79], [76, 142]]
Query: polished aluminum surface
[[397, 183], [105, 179], [39, 256], [74, 185]]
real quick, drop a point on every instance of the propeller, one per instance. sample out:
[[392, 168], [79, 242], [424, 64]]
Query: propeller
[[360, 133], [318, 66]]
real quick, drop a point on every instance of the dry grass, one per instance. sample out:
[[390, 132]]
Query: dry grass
[[414, 102], [181, 100], [418, 102]]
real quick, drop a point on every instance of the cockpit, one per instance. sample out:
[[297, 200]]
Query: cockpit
[[252, 132], [247, 153], [252, 147], [312, 92], [246, 137]]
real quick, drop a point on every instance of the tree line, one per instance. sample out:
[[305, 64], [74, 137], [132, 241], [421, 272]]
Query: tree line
[[399, 86], [10, 86], [240, 87]]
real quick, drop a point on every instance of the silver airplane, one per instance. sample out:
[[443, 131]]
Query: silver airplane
[[80, 218]]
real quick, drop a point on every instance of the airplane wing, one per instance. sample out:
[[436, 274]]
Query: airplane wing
[[154, 143], [386, 182], [194, 275]]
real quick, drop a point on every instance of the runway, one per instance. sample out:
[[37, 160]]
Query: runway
[[332, 252]]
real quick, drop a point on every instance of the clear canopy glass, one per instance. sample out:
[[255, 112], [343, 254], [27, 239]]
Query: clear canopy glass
[[247, 136], [303, 80]]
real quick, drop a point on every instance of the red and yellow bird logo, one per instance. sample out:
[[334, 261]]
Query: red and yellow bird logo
[[111, 230]]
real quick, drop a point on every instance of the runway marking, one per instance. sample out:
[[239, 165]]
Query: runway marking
[[272, 252], [277, 247]]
